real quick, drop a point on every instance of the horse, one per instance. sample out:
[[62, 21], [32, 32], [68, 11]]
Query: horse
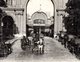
[[40, 45]]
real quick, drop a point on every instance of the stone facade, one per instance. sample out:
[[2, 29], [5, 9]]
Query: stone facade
[[20, 19]]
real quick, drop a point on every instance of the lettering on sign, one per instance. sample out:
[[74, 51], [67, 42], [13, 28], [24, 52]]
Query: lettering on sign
[[39, 21]]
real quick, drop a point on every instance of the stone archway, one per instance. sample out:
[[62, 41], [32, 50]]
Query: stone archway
[[54, 8]]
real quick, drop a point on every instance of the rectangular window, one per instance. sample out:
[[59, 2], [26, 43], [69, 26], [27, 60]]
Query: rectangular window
[[9, 2]]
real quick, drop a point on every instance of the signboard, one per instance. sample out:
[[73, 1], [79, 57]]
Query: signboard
[[39, 21]]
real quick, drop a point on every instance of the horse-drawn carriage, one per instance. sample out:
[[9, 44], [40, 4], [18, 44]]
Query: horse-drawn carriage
[[35, 45], [38, 45]]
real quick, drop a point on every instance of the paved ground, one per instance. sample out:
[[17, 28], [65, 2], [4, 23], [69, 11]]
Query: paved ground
[[54, 52]]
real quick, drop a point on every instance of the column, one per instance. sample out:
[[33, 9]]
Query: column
[[56, 24], [60, 23], [18, 3]]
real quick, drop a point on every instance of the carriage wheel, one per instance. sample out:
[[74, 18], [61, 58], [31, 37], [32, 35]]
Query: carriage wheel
[[40, 51], [43, 50], [10, 50], [32, 51], [23, 47]]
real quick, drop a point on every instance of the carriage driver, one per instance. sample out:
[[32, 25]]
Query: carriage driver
[[41, 40]]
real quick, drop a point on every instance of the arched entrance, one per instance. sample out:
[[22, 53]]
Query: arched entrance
[[8, 23], [54, 8]]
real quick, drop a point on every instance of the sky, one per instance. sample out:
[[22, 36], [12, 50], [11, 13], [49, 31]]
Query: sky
[[40, 5]]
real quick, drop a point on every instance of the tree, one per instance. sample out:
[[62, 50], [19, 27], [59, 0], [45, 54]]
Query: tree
[[3, 3], [72, 21]]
